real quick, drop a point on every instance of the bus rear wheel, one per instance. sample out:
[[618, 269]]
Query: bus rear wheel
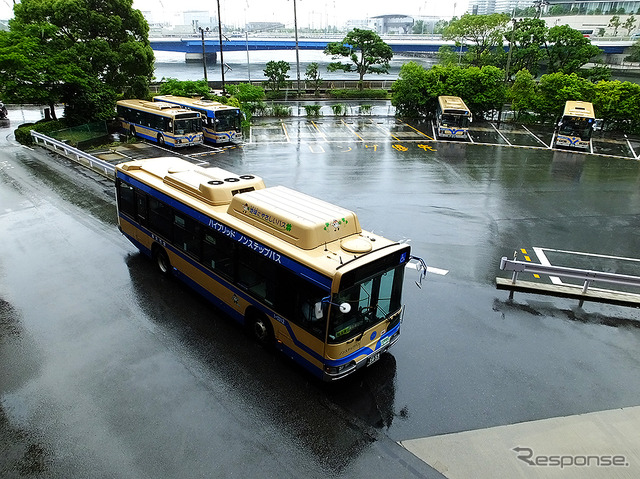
[[261, 330], [160, 140], [132, 130], [161, 259]]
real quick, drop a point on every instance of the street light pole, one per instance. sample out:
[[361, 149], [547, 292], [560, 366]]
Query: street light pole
[[295, 27], [204, 55], [221, 55]]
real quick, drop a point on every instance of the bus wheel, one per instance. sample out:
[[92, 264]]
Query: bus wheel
[[162, 260], [133, 131], [261, 330], [160, 140]]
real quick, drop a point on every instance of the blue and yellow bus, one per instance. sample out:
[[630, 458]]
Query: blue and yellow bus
[[452, 118], [163, 123], [220, 123], [299, 273], [576, 126]]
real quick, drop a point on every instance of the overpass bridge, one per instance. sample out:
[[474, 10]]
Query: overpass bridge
[[192, 46]]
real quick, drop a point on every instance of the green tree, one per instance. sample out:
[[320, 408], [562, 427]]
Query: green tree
[[529, 37], [416, 91], [567, 50], [84, 53], [276, 73], [312, 74], [618, 104], [555, 89], [615, 23], [246, 92], [629, 24], [172, 86], [366, 50], [483, 35], [634, 55], [522, 93], [418, 27]]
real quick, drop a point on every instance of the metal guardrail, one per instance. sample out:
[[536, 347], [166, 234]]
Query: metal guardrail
[[588, 276], [101, 166]]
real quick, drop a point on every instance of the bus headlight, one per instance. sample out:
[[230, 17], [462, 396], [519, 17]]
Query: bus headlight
[[339, 370]]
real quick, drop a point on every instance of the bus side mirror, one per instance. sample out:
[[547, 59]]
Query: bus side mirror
[[344, 308]]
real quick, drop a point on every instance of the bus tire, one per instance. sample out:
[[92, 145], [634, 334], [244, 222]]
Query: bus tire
[[161, 259], [132, 130], [260, 329], [160, 139]]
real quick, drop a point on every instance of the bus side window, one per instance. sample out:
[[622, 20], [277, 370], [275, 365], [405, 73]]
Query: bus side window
[[160, 217], [141, 207], [186, 233], [126, 198], [218, 253]]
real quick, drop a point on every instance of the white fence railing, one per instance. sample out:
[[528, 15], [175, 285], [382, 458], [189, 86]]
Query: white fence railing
[[96, 164]]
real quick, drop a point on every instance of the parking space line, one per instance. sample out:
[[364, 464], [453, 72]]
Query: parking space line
[[635, 157], [352, 130], [284, 129], [536, 137], [388, 132], [324, 137], [422, 133], [498, 132], [543, 260]]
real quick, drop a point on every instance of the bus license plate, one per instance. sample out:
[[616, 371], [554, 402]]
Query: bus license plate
[[373, 358]]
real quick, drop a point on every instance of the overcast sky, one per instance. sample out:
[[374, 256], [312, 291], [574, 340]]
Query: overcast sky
[[317, 13]]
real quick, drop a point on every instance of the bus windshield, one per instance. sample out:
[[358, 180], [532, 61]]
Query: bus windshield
[[372, 301], [227, 120], [576, 126], [450, 120], [184, 126]]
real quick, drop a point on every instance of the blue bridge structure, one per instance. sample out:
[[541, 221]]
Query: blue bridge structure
[[192, 46]]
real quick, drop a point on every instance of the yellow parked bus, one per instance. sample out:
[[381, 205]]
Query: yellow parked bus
[[220, 123], [163, 123], [576, 125], [452, 118], [298, 272]]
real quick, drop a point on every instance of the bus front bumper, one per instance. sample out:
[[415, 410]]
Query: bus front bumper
[[333, 373]]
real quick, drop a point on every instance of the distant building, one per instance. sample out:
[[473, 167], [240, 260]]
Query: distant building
[[486, 7], [481, 7], [590, 7], [383, 24], [199, 19]]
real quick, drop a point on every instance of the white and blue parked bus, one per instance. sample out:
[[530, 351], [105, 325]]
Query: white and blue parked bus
[[164, 123], [220, 123], [576, 126], [299, 273], [452, 118]]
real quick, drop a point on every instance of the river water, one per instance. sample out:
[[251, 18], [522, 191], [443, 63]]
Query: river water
[[173, 65]]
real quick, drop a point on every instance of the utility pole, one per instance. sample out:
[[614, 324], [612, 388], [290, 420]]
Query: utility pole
[[221, 56], [204, 54], [295, 27]]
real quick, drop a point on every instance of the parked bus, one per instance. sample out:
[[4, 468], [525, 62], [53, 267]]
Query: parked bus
[[576, 125], [164, 123], [452, 117], [298, 272], [220, 123]]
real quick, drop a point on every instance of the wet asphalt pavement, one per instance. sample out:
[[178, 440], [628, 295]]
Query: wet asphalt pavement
[[111, 371]]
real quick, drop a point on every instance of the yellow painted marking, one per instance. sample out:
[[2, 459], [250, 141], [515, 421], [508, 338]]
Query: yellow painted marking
[[319, 131], [527, 258], [388, 132], [352, 130], [422, 133], [524, 251], [284, 129]]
